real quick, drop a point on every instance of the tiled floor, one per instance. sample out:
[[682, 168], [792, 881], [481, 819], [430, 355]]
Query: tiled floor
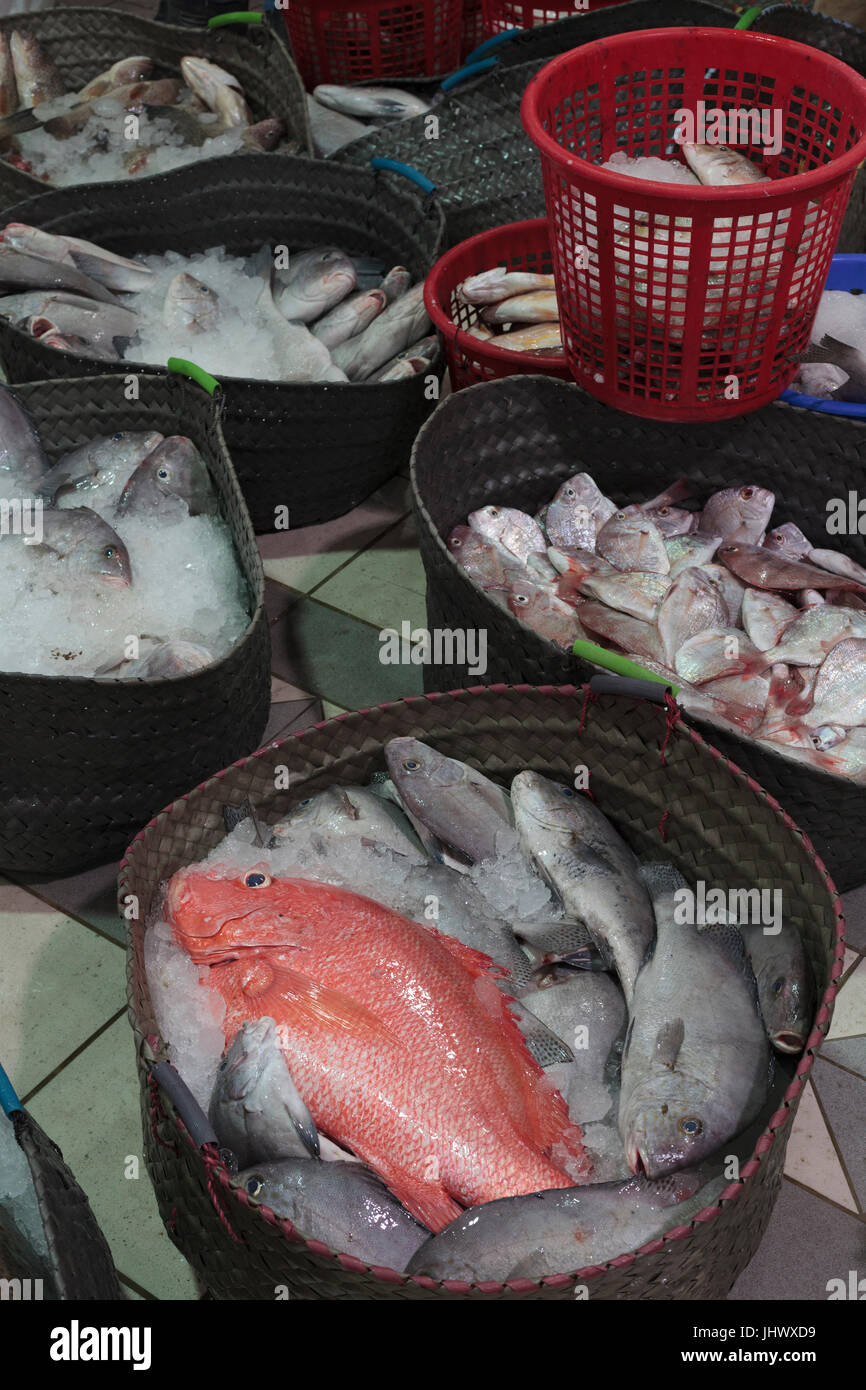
[[68, 1046]]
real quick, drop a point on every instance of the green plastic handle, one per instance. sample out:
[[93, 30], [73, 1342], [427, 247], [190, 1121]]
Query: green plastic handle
[[236, 17], [620, 665], [195, 373], [747, 20]]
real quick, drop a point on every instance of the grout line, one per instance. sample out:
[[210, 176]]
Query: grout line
[[61, 1066], [831, 1061], [392, 526], [826, 1118], [136, 1288], [67, 912], [813, 1192]]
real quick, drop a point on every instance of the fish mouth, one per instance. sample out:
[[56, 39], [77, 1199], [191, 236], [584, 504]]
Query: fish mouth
[[788, 1041]]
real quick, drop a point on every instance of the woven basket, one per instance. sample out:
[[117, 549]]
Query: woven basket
[[513, 442], [319, 448], [85, 42], [720, 826], [84, 763]]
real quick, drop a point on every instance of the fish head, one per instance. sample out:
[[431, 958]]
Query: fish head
[[788, 540], [668, 1125], [241, 1069], [417, 768], [739, 513], [220, 912], [673, 521], [786, 1001], [174, 471], [495, 523], [96, 547]]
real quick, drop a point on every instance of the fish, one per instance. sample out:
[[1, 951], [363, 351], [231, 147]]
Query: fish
[[579, 853], [355, 813], [256, 1109], [218, 89], [632, 541], [395, 284], [331, 130], [630, 634], [540, 607], [588, 1012], [120, 74], [106, 267], [715, 652], [100, 324], [577, 565], [344, 1206], [316, 281], [849, 359], [691, 550], [35, 272], [78, 545], [761, 568], [173, 658], [488, 566], [300, 356], [377, 103], [786, 987], [739, 514], [516, 534], [789, 540], [559, 1232], [9, 100], [36, 74], [691, 605], [696, 1064], [839, 692], [403, 322], [539, 306], [191, 306], [98, 465], [349, 317], [173, 477], [635, 592], [500, 283], [457, 812], [807, 639], [570, 519], [23, 463], [50, 336], [672, 521], [400, 1054], [718, 166], [535, 337], [413, 359]]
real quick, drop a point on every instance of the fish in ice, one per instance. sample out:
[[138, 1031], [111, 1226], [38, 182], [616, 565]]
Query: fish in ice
[[848, 358], [98, 466], [77, 545], [23, 463], [376, 103], [173, 478], [457, 811], [588, 1011], [400, 1056], [314, 283], [354, 813], [37, 76], [218, 89], [331, 130], [125, 71], [37, 272], [300, 356], [191, 306], [256, 1109], [171, 658]]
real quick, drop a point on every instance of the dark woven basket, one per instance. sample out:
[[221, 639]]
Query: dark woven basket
[[720, 826], [85, 42], [84, 763], [319, 448], [485, 168], [513, 442]]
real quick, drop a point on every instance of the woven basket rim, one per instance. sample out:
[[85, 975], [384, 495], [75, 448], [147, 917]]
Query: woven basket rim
[[151, 682], [152, 1043], [831, 779]]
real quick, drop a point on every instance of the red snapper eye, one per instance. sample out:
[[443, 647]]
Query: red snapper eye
[[254, 879]]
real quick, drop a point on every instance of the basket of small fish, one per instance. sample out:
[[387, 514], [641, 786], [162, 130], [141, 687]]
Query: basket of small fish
[[832, 373], [727, 561], [690, 245], [135, 644], [347, 40], [313, 1131], [93, 96], [493, 301], [297, 284]]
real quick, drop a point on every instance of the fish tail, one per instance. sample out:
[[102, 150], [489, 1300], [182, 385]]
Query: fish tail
[[427, 1201]]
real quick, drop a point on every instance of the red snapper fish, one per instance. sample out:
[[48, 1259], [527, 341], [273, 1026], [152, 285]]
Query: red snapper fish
[[398, 1037]]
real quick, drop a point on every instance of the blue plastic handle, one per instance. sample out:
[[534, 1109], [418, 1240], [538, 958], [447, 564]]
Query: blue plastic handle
[[394, 166], [9, 1101], [489, 44], [464, 74]]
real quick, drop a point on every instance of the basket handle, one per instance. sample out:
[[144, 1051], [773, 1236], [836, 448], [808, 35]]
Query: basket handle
[[185, 1104], [628, 677], [9, 1101], [182, 367], [464, 74], [747, 20], [218, 21], [495, 41], [395, 166]]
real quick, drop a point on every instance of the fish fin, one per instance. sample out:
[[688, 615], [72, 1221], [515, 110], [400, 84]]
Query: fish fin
[[233, 815], [428, 1202], [669, 1040], [474, 961], [828, 350], [546, 1047], [293, 997]]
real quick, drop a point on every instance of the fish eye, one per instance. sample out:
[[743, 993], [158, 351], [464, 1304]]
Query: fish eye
[[115, 438], [163, 473], [747, 492], [570, 492], [492, 511], [663, 511], [728, 550], [568, 792], [254, 1186], [455, 545], [690, 1126], [411, 764], [778, 985], [256, 880], [109, 552], [521, 598], [307, 801]]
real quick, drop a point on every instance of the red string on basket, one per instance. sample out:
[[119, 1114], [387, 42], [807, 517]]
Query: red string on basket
[[589, 698], [672, 719], [662, 831], [156, 1113], [212, 1162]]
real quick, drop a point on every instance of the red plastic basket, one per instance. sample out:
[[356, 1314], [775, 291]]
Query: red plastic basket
[[473, 27], [678, 302], [348, 40], [523, 14], [517, 245]]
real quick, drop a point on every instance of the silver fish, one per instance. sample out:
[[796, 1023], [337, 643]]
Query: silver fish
[[314, 283], [637, 592], [98, 466], [581, 855], [457, 812], [331, 130], [765, 616], [789, 540], [300, 356], [588, 1011], [630, 634], [78, 545], [731, 588], [739, 514], [377, 103], [786, 989], [691, 605], [515, 533], [849, 359], [839, 695], [395, 284], [632, 541], [173, 478], [256, 1109], [174, 658], [808, 638], [353, 813], [191, 306], [694, 549], [716, 652], [35, 272], [73, 314], [493, 286], [349, 317], [23, 463], [402, 323], [538, 306]]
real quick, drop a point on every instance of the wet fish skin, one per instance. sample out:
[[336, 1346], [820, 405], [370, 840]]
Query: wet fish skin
[[538, 306], [376, 103], [191, 306], [488, 566], [515, 533], [34, 272], [580, 854], [315, 282], [696, 548], [630, 634], [588, 1011], [97, 463], [106, 267], [77, 544], [36, 74], [635, 592], [457, 811], [718, 166], [301, 357], [174, 658], [493, 286], [739, 514], [691, 605], [789, 540], [809, 636], [696, 1062], [331, 130], [572, 516], [536, 337], [9, 102], [355, 813], [256, 1109], [72, 313], [761, 568], [174, 475], [349, 317], [786, 989], [402, 323], [672, 521], [632, 541], [715, 652], [731, 588], [23, 463], [839, 692]]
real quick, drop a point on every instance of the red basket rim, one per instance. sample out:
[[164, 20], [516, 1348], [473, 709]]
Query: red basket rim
[[482, 349], [684, 193]]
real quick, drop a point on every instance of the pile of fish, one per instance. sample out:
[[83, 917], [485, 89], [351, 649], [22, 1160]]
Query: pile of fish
[[517, 310], [92, 545], [339, 115], [762, 633], [321, 316], [424, 1002], [87, 136], [834, 365]]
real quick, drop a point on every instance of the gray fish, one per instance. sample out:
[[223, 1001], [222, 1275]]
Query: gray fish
[[843, 355], [349, 317], [396, 283], [36, 74], [346, 1206], [71, 313], [300, 356], [331, 130], [581, 855], [98, 466], [739, 514], [79, 545], [563, 1230], [632, 541], [22, 459], [377, 103], [35, 272], [357, 814], [839, 693], [106, 267], [464, 913], [457, 811], [402, 323], [314, 283], [174, 658], [696, 1062], [172, 477], [191, 306], [588, 1012], [256, 1109], [786, 988]]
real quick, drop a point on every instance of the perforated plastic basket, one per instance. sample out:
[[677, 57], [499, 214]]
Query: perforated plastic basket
[[473, 26], [348, 40], [517, 245], [681, 302], [846, 273], [523, 14]]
